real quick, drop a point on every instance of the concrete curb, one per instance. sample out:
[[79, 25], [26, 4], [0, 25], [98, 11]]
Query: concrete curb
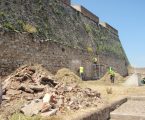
[[102, 113]]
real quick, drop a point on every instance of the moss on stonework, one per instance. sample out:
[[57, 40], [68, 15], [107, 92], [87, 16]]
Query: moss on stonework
[[51, 20], [8, 25], [2, 14]]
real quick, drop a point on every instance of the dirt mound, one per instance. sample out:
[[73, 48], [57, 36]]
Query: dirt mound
[[106, 78], [67, 75]]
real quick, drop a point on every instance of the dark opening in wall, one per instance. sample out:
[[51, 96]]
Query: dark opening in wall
[[63, 50], [6, 3], [14, 2]]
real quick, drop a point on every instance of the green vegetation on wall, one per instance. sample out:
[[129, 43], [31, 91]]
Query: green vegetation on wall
[[52, 20], [104, 41]]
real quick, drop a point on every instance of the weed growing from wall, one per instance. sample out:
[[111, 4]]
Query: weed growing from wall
[[90, 49], [29, 28], [88, 28], [9, 26]]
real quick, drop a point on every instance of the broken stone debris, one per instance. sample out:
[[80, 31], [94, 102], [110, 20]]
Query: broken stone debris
[[44, 94], [32, 108]]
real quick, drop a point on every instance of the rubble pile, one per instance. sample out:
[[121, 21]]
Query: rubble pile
[[28, 83], [43, 95]]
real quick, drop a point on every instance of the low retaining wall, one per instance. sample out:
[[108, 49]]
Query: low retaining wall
[[102, 113]]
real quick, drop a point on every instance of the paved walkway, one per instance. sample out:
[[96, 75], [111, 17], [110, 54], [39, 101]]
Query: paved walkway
[[133, 109]]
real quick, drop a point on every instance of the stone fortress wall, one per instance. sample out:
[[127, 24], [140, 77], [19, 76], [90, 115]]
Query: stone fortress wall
[[53, 33]]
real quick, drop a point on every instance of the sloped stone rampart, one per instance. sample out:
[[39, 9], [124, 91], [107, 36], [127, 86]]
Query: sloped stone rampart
[[54, 34]]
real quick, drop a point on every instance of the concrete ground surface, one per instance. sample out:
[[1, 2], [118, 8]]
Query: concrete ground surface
[[133, 109]]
